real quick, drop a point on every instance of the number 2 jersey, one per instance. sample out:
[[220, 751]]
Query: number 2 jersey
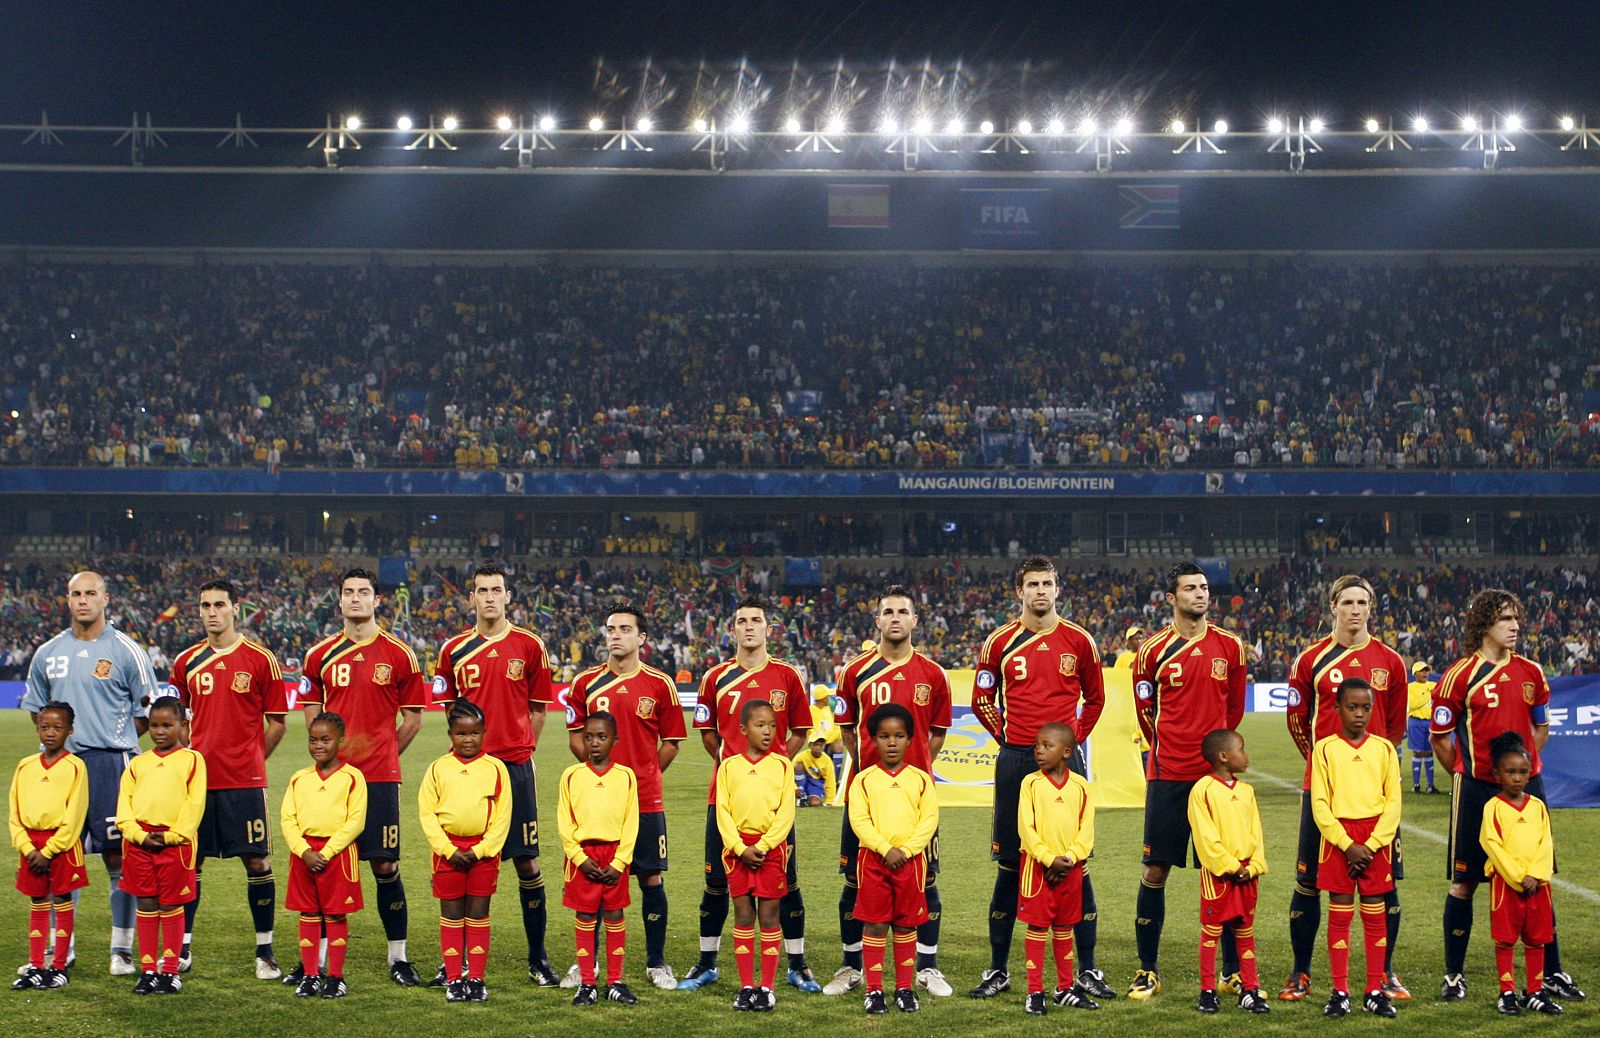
[[228, 692], [1028, 679], [367, 683], [504, 675], [648, 713], [1184, 689], [916, 683], [1314, 681], [1477, 700]]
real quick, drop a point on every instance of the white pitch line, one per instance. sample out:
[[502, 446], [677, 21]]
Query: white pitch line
[[1429, 834]]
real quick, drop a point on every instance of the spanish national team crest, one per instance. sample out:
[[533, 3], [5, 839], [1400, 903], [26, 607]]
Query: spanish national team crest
[[381, 674], [102, 669], [1069, 665], [1380, 681], [514, 669], [779, 697], [922, 695], [1219, 669], [646, 709], [1527, 692], [241, 681]]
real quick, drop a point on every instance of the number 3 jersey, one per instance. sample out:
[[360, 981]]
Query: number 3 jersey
[[645, 705], [917, 683], [1184, 689], [1028, 679], [504, 675], [228, 692], [366, 683]]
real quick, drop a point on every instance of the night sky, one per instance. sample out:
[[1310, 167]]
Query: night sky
[[289, 63]]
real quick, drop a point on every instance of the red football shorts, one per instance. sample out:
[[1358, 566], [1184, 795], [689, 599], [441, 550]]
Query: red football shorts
[[1513, 916], [893, 896], [66, 869], [166, 875], [1043, 904], [768, 881], [1333, 871], [452, 884], [582, 894], [333, 891], [1222, 900]]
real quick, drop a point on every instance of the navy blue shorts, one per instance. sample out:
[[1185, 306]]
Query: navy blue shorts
[[650, 851], [523, 839], [380, 840], [105, 768], [235, 824]]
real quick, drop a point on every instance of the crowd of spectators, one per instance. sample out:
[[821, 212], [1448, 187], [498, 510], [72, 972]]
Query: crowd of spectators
[[1271, 363], [1277, 608]]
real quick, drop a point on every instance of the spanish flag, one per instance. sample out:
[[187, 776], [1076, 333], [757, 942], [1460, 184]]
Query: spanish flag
[[167, 615]]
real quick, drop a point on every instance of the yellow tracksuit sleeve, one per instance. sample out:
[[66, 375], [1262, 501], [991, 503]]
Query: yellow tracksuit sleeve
[[1518, 842], [755, 797], [334, 807], [43, 798], [165, 789], [465, 798], [894, 810], [1054, 821], [1361, 781], [595, 806], [1227, 827]]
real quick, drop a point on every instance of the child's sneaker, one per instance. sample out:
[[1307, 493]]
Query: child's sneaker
[[619, 992], [1338, 1005], [1254, 1002], [744, 1001], [875, 1004], [1036, 1004], [586, 995], [906, 1000], [1508, 1004], [1378, 1004], [334, 987], [1074, 998], [1540, 1002], [1208, 1002], [310, 986], [146, 985]]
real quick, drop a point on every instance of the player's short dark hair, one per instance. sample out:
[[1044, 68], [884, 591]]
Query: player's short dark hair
[[1186, 568], [359, 573], [751, 602], [225, 586], [1217, 741], [172, 703], [1060, 730], [606, 718], [632, 610], [1483, 611], [749, 709], [1351, 684], [890, 712], [1034, 564], [61, 708], [463, 710], [897, 591], [329, 717], [1505, 744], [489, 569]]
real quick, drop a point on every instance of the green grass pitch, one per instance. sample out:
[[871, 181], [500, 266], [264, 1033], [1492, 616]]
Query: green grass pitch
[[223, 997]]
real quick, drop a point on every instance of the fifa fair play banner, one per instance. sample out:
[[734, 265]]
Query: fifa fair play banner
[[1004, 219]]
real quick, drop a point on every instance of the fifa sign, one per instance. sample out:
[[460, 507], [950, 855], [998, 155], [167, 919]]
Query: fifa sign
[[993, 218]]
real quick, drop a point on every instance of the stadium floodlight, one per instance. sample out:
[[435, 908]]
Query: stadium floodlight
[[987, 126], [1469, 123], [1373, 126], [1220, 126], [352, 122], [504, 122], [791, 125], [644, 124], [1176, 126], [922, 126], [1568, 124], [1055, 128], [403, 123], [739, 124], [1420, 124], [889, 127], [699, 125], [1316, 126], [1274, 125], [1513, 123], [836, 123], [1025, 126], [596, 123], [450, 123], [1088, 126], [547, 123], [953, 128], [1123, 127]]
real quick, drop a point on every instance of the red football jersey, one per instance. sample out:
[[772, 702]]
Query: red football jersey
[[367, 683], [1314, 679], [1184, 689], [727, 687], [228, 693], [645, 704], [918, 684], [1026, 680], [1477, 700], [503, 675]]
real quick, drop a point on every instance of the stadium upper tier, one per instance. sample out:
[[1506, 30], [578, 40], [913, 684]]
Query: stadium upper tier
[[1272, 363], [1278, 608]]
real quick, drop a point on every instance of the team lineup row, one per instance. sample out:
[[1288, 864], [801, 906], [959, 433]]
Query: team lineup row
[[1037, 675]]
